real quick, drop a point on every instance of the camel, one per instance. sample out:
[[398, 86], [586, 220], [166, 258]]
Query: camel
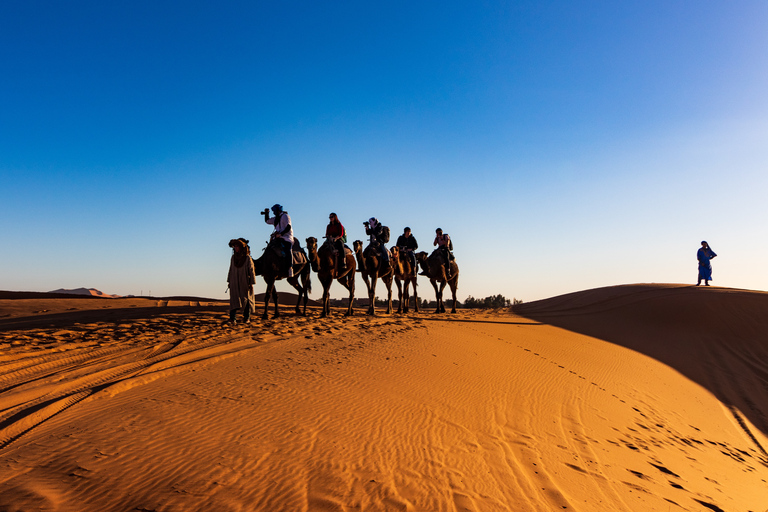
[[404, 272], [324, 262], [270, 266], [433, 266], [368, 263]]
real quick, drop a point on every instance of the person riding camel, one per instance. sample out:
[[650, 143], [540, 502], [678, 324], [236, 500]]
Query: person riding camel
[[376, 231], [445, 246], [283, 233], [337, 235], [408, 244]]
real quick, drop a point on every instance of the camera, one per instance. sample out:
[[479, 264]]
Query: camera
[[265, 212], [366, 224]]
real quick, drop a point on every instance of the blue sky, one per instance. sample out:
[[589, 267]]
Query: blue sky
[[563, 145]]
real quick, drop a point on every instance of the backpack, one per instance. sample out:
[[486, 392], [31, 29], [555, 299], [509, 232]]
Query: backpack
[[384, 238], [343, 233]]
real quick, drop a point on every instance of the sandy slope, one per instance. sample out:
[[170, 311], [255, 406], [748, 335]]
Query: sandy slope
[[476, 411]]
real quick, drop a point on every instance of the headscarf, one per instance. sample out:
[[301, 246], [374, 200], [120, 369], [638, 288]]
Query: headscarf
[[239, 258]]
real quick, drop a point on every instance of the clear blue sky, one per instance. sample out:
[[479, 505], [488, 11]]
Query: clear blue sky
[[562, 145]]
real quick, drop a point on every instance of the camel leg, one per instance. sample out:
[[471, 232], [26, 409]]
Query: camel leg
[[307, 283], [437, 294], [372, 295], [294, 281], [400, 295], [415, 296], [442, 302], [350, 309], [406, 296], [349, 284], [266, 299], [326, 309], [367, 287], [274, 298], [388, 284]]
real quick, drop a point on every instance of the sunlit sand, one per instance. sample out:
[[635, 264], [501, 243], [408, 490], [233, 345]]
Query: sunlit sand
[[644, 397]]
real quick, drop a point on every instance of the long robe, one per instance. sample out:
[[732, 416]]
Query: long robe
[[705, 267], [241, 280]]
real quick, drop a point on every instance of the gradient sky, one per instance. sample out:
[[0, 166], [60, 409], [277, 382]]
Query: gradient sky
[[562, 145]]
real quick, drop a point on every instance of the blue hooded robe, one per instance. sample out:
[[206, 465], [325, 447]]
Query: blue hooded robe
[[705, 267]]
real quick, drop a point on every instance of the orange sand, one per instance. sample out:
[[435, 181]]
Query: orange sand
[[623, 398]]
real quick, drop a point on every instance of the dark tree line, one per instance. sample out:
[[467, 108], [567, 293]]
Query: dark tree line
[[490, 302]]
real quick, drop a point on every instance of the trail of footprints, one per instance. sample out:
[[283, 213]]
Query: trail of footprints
[[649, 431]]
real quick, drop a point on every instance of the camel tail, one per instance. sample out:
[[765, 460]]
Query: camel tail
[[309, 283]]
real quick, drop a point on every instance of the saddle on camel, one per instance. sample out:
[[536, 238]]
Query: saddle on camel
[[373, 266], [405, 276], [326, 262], [336, 236], [444, 248], [435, 267]]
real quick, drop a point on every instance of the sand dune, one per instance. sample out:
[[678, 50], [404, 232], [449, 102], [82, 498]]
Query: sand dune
[[93, 292], [587, 404], [717, 337]]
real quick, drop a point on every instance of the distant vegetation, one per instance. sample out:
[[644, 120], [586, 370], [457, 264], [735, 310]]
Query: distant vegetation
[[490, 302]]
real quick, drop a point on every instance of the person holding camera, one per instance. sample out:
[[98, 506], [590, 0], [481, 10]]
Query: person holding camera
[[283, 233], [445, 246], [408, 244], [375, 230]]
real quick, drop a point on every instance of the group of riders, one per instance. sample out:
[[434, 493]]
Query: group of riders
[[242, 274], [336, 235]]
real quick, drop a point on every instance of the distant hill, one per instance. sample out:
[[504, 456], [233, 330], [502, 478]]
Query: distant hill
[[93, 292]]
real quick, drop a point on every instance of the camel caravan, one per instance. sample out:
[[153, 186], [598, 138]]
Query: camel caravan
[[334, 260]]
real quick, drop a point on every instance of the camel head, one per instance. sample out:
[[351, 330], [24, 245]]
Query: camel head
[[357, 245], [421, 260], [312, 243]]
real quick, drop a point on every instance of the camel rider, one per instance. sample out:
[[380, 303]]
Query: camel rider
[[283, 233], [444, 245], [337, 235], [408, 244], [376, 231]]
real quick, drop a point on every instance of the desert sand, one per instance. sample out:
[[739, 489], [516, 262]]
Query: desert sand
[[629, 398]]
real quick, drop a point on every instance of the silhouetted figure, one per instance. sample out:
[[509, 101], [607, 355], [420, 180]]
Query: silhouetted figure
[[241, 279], [704, 255]]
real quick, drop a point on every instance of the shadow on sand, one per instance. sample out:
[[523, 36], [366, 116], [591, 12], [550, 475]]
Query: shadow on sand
[[717, 337]]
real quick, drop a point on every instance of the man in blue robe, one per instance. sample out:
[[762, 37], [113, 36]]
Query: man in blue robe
[[705, 267]]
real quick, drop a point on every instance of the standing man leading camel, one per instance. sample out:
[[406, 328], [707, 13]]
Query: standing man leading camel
[[283, 233]]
